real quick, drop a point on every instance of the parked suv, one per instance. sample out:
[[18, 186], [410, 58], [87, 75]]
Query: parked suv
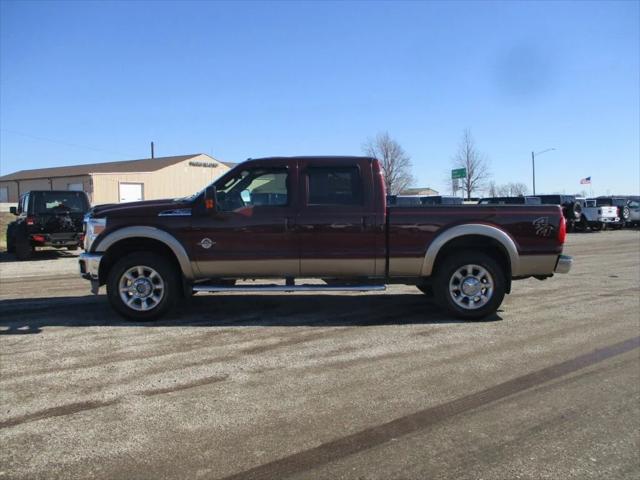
[[634, 213], [571, 207], [594, 217], [47, 218], [622, 204]]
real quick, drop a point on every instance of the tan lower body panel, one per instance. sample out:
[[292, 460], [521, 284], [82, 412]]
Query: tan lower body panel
[[536, 265], [332, 267], [405, 266], [250, 268]]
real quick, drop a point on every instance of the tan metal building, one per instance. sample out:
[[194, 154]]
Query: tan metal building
[[116, 182]]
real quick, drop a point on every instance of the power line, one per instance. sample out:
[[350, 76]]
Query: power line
[[75, 145]]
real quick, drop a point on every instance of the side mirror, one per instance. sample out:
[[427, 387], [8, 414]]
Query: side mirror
[[14, 210], [210, 203]]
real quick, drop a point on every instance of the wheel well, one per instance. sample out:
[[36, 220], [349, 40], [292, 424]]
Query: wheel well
[[478, 243], [129, 245]]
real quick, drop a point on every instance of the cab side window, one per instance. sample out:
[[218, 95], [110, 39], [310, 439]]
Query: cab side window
[[263, 187], [334, 186]]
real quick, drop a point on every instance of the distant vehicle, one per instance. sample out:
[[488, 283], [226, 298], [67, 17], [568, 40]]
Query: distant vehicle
[[594, 217], [422, 200], [441, 200], [622, 204], [47, 218], [519, 200], [571, 208], [634, 213]]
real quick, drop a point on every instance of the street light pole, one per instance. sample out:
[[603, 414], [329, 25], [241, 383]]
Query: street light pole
[[533, 165]]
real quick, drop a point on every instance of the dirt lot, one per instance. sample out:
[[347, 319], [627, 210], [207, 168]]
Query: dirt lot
[[363, 386]]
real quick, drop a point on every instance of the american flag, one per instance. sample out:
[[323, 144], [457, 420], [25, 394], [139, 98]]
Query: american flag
[[585, 181]]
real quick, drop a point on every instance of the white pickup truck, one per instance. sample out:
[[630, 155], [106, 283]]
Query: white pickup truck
[[594, 217]]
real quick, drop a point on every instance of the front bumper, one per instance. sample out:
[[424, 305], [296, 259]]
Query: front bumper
[[89, 264], [563, 265]]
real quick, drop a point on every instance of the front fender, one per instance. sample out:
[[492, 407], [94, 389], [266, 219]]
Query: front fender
[[153, 233]]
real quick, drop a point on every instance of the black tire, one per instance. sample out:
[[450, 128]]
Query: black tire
[[581, 226], [455, 263], [149, 261], [426, 289], [11, 243], [24, 249], [596, 226]]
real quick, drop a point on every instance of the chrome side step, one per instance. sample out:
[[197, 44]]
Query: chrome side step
[[288, 288]]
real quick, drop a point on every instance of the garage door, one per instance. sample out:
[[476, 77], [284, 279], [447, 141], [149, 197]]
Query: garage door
[[130, 192]]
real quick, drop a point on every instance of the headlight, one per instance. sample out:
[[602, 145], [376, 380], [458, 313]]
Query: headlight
[[93, 228]]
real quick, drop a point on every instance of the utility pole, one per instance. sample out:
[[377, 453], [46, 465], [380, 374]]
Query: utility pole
[[153, 155]]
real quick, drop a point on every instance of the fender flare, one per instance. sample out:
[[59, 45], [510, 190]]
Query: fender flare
[[471, 229], [152, 233]]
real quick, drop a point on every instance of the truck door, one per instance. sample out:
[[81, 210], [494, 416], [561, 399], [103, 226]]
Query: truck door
[[250, 234], [336, 222]]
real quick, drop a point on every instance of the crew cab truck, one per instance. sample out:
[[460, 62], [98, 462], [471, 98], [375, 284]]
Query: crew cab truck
[[315, 217], [47, 218]]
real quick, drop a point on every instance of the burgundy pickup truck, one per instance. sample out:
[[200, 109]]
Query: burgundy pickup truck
[[315, 217]]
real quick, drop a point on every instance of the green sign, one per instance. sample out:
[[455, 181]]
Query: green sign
[[459, 173]]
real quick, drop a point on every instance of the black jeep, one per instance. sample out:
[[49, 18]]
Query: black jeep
[[571, 208], [47, 218]]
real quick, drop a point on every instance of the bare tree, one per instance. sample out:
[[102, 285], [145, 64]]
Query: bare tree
[[395, 162], [470, 158], [517, 189], [492, 189], [509, 189]]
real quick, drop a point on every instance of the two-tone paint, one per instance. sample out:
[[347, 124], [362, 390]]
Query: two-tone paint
[[300, 239]]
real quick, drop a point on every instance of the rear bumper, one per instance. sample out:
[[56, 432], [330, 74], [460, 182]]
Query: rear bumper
[[564, 263], [56, 239]]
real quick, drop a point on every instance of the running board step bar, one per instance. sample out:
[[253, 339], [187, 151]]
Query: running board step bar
[[289, 288]]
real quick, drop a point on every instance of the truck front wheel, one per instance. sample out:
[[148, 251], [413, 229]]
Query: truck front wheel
[[469, 285], [142, 286]]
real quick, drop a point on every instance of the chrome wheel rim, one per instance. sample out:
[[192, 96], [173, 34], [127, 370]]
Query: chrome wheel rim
[[141, 288], [471, 287]]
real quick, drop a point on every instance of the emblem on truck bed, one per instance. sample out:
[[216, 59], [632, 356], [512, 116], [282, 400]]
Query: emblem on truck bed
[[542, 226], [206, 243]]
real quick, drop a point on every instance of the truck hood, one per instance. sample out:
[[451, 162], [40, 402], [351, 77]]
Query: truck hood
[[137, 209]]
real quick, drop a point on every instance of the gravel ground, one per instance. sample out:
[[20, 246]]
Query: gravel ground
[[362, 386]]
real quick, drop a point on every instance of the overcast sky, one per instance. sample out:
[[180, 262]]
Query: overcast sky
[[97, 81]]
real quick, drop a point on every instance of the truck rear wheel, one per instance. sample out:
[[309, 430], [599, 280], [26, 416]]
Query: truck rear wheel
[[23, 248], [142, 286], [469, 285]]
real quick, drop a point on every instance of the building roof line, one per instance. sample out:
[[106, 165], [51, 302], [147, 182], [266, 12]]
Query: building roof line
[[143, 165]]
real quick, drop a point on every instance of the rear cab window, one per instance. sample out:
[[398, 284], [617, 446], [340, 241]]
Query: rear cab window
[[334, 186]]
